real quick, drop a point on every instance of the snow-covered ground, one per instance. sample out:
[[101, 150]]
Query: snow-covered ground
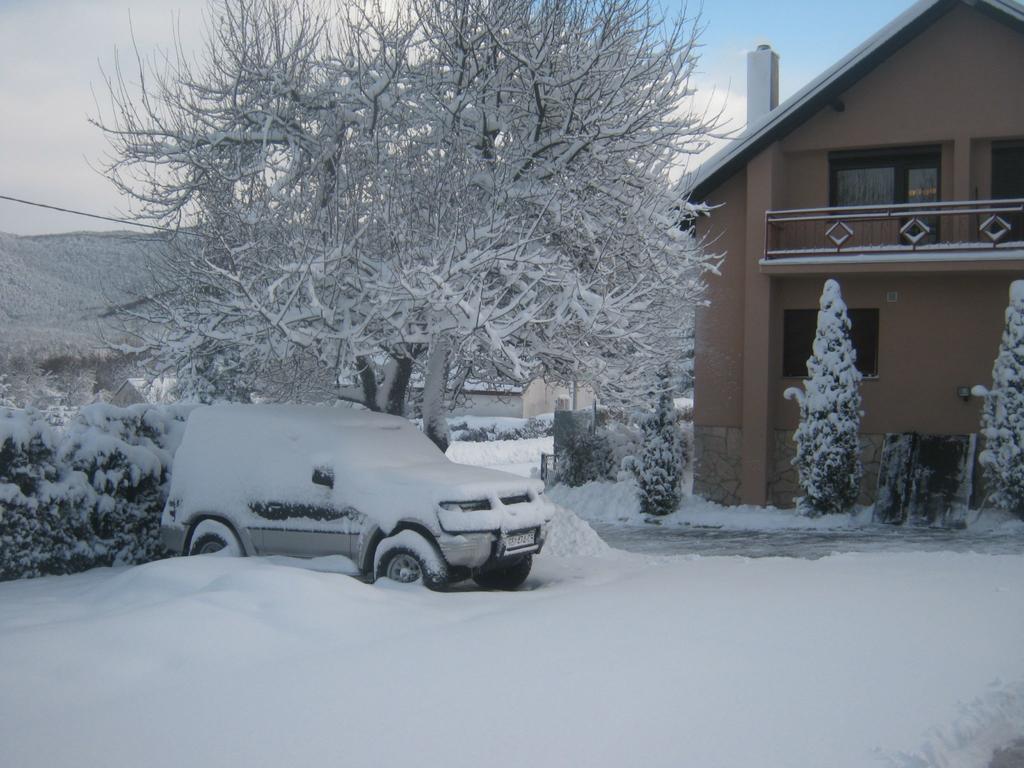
[[619, 660], [605, 658]]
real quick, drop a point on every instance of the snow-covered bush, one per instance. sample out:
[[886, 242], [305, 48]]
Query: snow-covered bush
[[604, 453], [584, 458], [658, 467], [125, 455], [1002, 418], [828, 444], [41, 528], [90, 496], [624, 441], [485, 431]]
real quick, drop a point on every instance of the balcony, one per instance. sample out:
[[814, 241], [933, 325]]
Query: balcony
[[977, 229]]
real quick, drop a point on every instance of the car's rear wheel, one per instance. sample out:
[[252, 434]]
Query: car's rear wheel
[[213, 536], [408, 557], [510, 577]]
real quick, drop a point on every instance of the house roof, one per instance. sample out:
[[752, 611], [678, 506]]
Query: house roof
[[830, 84]]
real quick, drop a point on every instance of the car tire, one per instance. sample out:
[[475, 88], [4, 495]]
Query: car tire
[[214, 537], [409, 557], [511, 577]]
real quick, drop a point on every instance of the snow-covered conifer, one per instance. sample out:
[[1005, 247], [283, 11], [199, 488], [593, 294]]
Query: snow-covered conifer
[[828, 444], [659, 466], [1002, 418]]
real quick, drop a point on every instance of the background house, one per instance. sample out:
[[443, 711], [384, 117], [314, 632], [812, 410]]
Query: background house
[[522, 402], [899, 172]]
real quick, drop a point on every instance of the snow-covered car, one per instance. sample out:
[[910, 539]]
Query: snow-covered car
[[312, 481]]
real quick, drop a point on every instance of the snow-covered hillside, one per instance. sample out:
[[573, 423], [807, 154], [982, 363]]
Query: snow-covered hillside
[[57, 287]]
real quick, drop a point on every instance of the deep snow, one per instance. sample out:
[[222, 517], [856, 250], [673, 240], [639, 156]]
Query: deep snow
[[848, 661], [605, 658]]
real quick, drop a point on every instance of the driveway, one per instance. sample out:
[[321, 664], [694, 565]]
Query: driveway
[[805, 544]]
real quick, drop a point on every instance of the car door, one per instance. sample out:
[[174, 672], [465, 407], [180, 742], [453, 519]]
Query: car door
[[303, 530], [313, 527]]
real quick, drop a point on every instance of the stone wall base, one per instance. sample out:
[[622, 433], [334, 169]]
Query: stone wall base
[[717, 463], [783, 487]]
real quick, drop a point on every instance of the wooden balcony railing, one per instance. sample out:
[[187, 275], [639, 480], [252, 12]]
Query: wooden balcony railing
[[976, 225]]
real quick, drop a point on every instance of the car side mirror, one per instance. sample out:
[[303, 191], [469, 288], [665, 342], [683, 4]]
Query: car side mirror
[[323, 476]]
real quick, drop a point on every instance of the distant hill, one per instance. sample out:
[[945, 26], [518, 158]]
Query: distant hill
[[56, 288]]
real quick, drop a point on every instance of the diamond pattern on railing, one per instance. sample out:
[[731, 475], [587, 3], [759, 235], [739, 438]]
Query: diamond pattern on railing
[[914, 231], [839, 233], [995, 228]]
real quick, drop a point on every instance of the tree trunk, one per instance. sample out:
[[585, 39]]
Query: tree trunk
[[368, 380], [435, 412], [399, 390]]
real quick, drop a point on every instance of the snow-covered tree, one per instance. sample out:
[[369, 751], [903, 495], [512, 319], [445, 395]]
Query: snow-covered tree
[[460, 189], [658, 468], [828, 443], [1002, 417]]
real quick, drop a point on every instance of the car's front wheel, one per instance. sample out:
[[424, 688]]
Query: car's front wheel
[[211, 536], [408, 557], [510, 577]]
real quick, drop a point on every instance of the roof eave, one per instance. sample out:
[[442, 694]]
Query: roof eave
[[831, 84]]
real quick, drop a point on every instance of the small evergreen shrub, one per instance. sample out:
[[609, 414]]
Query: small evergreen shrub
[[1002, 417], [658, 467], [587, 457], [828, 443]]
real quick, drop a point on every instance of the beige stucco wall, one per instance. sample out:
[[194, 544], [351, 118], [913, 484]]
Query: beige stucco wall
[[957, 85], [941, 332], [541, 397], [718, 356], [478, 404]]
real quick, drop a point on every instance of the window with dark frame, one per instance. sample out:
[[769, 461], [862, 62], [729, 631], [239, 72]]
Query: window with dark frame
[[1008, 181], [885, 177], [800, 325]]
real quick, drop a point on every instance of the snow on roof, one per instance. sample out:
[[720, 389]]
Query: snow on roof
[[805, 102]]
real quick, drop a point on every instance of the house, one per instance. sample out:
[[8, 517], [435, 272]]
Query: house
[[130, 392], [900, 173], [135, 390], [538, 397]]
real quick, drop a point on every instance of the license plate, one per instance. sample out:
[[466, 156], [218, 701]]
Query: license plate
[[516, 540]]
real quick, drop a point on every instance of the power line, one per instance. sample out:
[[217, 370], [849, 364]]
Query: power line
[[98, 216]]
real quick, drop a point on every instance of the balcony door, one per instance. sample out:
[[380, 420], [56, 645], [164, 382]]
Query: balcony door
[[1008, 181], [888, 177], [909, 175]]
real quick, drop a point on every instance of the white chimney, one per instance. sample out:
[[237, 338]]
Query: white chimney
[[762, 82]]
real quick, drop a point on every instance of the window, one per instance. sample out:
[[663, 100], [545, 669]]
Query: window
[[799, 326], [1007, 169], [878, 178], [906, 175], [1008, 181]]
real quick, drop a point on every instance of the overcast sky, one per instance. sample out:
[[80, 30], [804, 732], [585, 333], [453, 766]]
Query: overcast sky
[[52, 52]]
